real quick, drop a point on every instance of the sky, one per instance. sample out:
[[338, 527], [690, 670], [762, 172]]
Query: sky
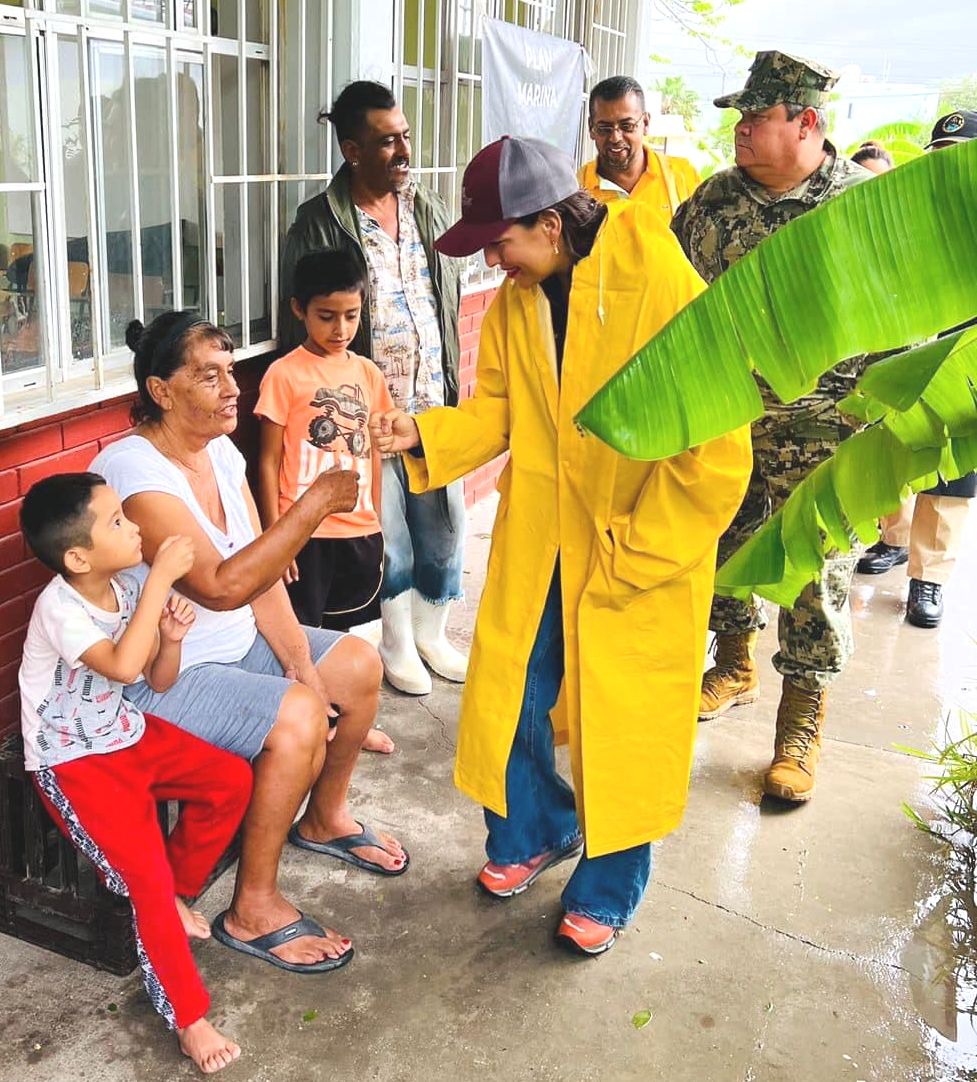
[[904, 41]]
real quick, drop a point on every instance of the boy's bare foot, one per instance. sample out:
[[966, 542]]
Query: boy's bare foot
[[377, 740], [209, 1049], [194, 922]]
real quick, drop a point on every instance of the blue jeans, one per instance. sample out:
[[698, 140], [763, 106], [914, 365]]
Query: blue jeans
[[542, 815], [423, 536]]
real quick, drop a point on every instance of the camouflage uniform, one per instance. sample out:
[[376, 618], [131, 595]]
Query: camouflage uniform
[[723, 220]]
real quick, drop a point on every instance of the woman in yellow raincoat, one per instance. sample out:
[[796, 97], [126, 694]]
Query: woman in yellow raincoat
[[601, 570]]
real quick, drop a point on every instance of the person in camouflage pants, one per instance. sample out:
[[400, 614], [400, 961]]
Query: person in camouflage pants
[[784, 168]]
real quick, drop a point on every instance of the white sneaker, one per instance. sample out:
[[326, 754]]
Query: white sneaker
[[429, 622], [402, 665]]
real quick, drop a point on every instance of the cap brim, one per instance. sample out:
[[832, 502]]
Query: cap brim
[[948, 139], [743, 100], [467, 238]]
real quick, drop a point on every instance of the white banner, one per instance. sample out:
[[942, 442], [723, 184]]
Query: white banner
[[532, 85]]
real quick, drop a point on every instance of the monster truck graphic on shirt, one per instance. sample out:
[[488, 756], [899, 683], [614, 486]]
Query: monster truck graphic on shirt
[[343, 420]]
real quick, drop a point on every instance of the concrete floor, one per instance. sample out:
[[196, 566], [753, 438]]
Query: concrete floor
[[822, 943]]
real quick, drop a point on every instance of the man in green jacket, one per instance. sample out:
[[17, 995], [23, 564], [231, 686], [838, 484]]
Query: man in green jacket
[[374, 210]]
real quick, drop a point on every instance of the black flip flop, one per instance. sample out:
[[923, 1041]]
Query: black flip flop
[[340, 848], [263, 945]]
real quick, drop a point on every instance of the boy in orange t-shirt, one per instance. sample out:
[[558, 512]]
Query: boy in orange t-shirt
[[315, 405]]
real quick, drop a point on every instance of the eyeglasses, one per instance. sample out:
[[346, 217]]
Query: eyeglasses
[[628, 127]]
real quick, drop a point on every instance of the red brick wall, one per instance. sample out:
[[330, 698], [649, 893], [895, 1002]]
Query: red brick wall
[[481, 482], [64, 443], [70, 441]]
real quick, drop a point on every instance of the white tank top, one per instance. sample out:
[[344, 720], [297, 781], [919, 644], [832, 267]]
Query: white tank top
[[133, 465]]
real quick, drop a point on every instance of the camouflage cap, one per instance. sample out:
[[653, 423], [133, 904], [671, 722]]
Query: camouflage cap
[[777, 77]]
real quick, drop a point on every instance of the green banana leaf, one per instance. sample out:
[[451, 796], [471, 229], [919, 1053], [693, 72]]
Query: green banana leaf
[[924, 407], [912, 131], [888, 262]]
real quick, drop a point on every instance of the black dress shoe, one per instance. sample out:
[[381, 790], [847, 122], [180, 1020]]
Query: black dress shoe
[[925, 605], [882, 557]]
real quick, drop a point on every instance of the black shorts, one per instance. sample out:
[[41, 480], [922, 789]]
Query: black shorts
[[339, 581]]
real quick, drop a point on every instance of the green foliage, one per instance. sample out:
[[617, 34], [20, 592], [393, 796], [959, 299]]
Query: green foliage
[[699, 19], [888, 262], [958, 94], [717, 142], [679, 99], [860, 274], [954, 783], [904, 140], [641, 1018]]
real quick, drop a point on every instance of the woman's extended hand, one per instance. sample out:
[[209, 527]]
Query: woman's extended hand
[[336, 490], [394, 431]]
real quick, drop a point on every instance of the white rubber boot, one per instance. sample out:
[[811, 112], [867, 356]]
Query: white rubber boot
[[429, 624], [370, 632], [402, 666]]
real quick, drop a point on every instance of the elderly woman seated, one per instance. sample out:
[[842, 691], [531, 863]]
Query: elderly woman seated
[[253, 681]]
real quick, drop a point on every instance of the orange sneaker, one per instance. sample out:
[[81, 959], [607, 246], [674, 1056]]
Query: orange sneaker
[[582, 935], [507, 880]]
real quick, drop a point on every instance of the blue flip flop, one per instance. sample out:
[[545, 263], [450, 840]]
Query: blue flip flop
[[340, 848], [263, 945]]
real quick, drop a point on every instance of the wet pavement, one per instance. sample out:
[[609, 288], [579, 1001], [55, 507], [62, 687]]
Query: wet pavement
[[828, 942]]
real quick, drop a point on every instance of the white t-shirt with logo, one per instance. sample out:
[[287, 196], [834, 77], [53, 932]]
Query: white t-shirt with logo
[[68, 710]]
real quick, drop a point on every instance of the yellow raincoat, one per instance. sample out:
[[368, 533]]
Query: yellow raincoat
[[636, 540], [666, 182]]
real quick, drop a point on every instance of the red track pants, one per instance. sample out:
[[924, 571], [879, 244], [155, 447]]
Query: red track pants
[[106, 804]]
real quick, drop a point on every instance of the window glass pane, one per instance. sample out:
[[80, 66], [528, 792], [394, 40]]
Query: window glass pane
[[259, 159], [69, 7], [466, 22], [257, 19], [189, 90], [228, 230], [188, 9], [227, 161], [150, 10], [74, 164], [318, 94], [16, 123], [426, 149], [259, 261], [20, 317], [105, 7], [223, 18], [113, 194], [153, 163]]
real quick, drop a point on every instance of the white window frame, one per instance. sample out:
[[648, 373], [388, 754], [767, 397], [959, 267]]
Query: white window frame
[[607, 40], [63, 381]]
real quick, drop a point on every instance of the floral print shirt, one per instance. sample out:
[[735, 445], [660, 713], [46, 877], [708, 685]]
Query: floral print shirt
[[404, 314]]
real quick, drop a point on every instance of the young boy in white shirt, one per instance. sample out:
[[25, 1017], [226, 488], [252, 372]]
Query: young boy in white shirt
[[99, 764]]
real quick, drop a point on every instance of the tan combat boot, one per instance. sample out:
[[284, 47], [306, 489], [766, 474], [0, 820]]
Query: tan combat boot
[[734, 680], [797, 747]]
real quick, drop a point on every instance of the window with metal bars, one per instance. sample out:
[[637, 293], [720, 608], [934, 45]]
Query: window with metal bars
[[137, 174], [437, 52], [153, 152]]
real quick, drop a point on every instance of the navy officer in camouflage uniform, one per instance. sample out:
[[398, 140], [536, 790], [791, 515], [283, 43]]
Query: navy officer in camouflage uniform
[[784, 167]]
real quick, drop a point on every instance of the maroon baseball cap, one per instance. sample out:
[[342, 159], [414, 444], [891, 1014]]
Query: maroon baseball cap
[[505, 181]]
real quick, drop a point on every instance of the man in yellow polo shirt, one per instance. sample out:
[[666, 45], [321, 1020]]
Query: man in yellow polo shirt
[[627, 166]]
